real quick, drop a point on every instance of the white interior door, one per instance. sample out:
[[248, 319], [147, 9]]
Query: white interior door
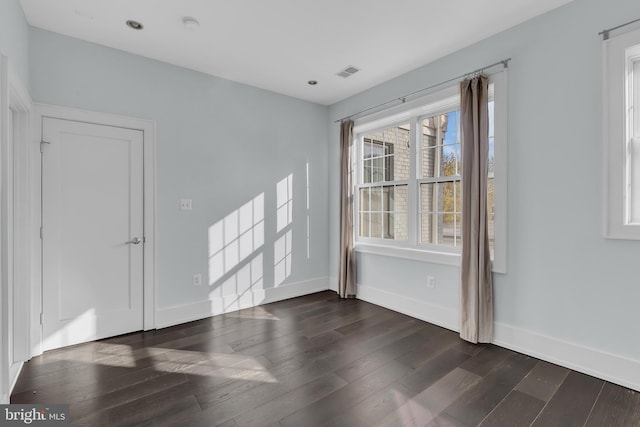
[[92, 246]]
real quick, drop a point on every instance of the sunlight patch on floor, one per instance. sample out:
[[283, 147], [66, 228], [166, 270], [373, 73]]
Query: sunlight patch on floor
[[258, 313], [221, 365]]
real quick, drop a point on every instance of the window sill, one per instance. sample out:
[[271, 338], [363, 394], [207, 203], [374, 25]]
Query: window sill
[[409, 253], [423, 255]]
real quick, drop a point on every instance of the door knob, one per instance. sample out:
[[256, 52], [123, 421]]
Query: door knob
[[134, 241]]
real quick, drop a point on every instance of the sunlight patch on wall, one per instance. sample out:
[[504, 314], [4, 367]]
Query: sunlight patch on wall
[[83, 328], [284, 202], [248, 278], [282, 258], [308, 221], [235, 237]]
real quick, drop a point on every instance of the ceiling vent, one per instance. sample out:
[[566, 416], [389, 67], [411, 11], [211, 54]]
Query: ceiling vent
[[349, 71]]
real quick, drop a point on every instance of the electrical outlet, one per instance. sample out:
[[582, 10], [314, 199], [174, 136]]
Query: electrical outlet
[[431, 282], [186, 204], [197, 279]]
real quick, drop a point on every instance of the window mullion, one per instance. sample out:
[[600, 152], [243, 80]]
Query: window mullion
[[413, 187], [357, 166]]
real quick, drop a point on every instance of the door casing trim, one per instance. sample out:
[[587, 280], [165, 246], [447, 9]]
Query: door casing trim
[[148, 129], [15, 250]]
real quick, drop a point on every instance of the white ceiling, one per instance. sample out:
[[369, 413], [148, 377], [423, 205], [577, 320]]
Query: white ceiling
[[279, 45]]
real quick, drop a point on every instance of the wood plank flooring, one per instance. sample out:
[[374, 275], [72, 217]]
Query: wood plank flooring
[[315, 361]]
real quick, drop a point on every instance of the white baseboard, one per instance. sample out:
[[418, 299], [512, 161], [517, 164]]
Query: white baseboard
[[14, 373], [432, 313], [607, 366], [202, 309]]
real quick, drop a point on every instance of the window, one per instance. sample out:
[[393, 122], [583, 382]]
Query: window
[[378, 160], [408, 178], [622, 136], [440, 180], [383, 184]]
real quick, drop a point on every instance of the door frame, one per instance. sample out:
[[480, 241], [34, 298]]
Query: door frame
[[15, 223], [148, 130]]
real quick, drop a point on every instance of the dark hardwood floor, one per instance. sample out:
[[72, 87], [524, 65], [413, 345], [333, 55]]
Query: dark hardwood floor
[[315, 361]]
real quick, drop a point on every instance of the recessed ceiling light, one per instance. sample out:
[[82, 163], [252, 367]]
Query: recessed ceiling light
[[134, 24], [190, 23], [312, 82]]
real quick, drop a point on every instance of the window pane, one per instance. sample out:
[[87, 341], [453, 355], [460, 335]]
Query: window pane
[[364, 199], [441, 229], [432, 223], [426, 207], [386, 155], [366, 171], [491, 120], [398, 218], [452, 229], [377, 171], [401, 199], [376, 227], [492, 231], [490, 195], [441, 197], [376, 199], [440, 213], [398, 226], [448, 159], [634, 98], [426, 197], [388, 198], [429, 160], [446, 197], [364, 225], [451, 142], [401, 157], [383, 212], [491, 155], [441, 154], [453, 127]]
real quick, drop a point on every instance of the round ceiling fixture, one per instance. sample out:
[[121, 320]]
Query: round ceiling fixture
[[190, 23], [312, 82], [134, 24]]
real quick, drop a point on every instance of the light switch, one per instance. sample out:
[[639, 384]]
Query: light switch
[[185, 205]]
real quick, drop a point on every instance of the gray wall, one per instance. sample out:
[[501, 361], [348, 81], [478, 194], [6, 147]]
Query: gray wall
[[219, 143], [14, 38], [564, 279]]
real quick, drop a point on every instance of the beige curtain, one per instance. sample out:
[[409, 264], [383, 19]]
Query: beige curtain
[[476, 294], [347, 273]]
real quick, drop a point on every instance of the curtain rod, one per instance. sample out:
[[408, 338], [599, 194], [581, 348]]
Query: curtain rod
[[504, 62], [605, 33]]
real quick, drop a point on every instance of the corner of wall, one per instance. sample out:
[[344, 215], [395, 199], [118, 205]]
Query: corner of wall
[[610, 367], [333, 284], [607, 366]]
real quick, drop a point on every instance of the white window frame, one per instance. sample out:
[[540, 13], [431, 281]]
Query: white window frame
[[621, 128], [412, 112]]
